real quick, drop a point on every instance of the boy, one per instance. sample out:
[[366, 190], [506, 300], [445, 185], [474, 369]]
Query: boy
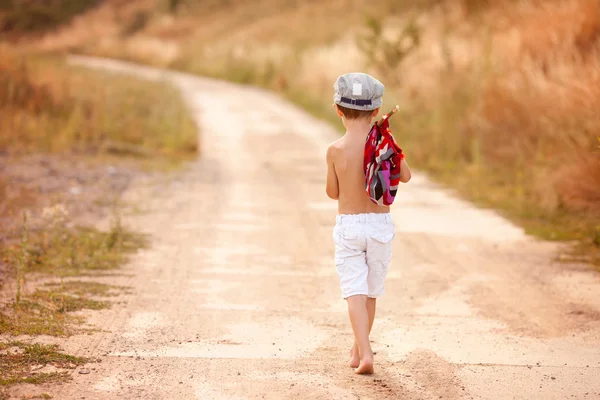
[[364, 231]]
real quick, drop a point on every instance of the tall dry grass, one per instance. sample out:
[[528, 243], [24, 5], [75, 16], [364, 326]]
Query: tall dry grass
[[46, 105], [516, 127]]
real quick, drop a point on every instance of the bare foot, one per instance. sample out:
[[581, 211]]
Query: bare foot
[[354, 358], [365, 367]]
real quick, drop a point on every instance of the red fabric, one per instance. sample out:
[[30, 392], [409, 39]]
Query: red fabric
[[382, 163]]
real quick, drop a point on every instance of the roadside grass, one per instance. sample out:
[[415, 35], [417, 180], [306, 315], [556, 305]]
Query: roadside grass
[[46, 312], [79, 251], [48, 106], [20, 362], [61, 252]]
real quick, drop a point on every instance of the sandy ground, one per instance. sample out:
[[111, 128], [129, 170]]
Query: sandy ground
[[238, 297]]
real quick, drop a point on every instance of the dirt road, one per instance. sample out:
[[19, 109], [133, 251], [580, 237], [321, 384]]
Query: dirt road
[[238, 297]]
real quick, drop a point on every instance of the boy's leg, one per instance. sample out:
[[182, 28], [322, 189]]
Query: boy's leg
[[354, 355], [359, 318], [379, 251], [371, 306], [350, 256]]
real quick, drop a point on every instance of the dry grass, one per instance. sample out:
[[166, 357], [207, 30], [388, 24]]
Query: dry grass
[[48, 106], [520, 135]]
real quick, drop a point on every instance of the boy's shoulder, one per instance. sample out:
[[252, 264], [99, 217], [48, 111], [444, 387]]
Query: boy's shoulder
[[335, 148], [337, 145]]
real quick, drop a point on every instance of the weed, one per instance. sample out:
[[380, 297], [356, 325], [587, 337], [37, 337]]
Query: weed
[[173, 5], [22, 260], [385, 54], [136, 24]]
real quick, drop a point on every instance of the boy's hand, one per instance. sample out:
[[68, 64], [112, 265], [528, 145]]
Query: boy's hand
[[405, 174]]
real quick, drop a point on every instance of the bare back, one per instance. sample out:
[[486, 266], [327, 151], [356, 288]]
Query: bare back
[[348, 153]]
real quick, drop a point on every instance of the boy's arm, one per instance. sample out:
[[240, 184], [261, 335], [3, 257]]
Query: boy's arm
[[332, 189], [405, 174]]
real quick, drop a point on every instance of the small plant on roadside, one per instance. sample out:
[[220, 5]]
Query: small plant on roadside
[[173, 5], [22, 260], [137, 23], [385, 53]]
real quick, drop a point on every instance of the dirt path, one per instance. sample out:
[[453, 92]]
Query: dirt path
[[238, 298]]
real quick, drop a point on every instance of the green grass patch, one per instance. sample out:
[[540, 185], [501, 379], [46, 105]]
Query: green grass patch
[[64, 252], [41, 396], [19, 362], [63, 301], [88, 288], [46, 312], [31, 318]]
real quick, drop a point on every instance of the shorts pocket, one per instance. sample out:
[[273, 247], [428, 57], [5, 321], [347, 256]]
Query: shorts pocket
[[383, 237], [349, 234], [346, 233], [380, 248]]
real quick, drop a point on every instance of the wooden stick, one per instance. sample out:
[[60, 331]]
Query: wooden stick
[[388, 115]]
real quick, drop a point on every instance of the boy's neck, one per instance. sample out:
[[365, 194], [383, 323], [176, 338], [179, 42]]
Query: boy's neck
[[358, 127]]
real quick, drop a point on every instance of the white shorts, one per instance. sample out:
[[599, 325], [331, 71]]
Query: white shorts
[[363, 248]]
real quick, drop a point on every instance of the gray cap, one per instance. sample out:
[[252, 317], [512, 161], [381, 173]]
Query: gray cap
[[358, 91]]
